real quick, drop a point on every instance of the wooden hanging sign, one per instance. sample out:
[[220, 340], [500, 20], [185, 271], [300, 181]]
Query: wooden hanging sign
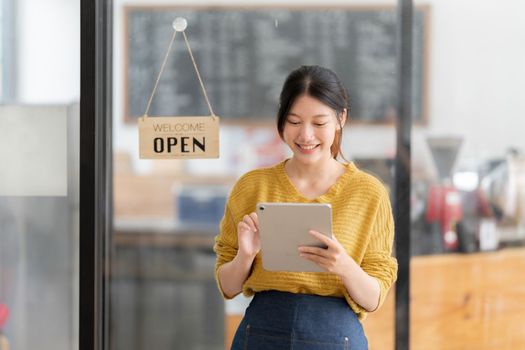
[[178, 137]]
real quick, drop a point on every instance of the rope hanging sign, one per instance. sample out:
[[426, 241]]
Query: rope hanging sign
[[176, 137]]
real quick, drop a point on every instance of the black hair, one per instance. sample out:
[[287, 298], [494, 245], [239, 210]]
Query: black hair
[[320, 83]]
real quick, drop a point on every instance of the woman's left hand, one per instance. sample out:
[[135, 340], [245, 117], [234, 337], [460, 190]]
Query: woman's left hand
[[333, 259]]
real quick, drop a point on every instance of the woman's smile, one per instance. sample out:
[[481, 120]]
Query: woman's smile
[[307, 148]]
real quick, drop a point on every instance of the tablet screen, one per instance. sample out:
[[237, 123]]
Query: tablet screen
[[284, 227]]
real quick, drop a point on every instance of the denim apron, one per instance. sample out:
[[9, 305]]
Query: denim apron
[[280, 320]]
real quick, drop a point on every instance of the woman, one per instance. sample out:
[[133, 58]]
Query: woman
[[309, 310]]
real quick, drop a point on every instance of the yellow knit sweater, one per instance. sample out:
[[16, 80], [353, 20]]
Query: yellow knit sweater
[[361, 221]]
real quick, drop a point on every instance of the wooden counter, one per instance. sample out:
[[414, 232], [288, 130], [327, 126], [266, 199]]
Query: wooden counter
[[472, 301]]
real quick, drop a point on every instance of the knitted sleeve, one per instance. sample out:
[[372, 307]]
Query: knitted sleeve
[[226, 244], [378, 261]]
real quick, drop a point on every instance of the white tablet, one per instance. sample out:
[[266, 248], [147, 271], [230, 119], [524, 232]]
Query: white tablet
[[284, 227]]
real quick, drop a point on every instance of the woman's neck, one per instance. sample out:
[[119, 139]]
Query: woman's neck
[[318, 170]]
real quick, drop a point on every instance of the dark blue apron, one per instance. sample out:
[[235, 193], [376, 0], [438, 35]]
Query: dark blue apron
[[280, 320]]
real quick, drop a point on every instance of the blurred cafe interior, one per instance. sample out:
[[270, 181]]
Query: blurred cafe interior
[[467, 162]]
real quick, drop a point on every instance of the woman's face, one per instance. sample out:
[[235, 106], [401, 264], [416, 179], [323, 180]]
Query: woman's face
[[309, 129]]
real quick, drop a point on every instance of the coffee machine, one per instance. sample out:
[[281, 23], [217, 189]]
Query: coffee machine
[[444, 206]]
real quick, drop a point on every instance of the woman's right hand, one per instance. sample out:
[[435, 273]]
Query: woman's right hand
[[233, 274], [248, 236]]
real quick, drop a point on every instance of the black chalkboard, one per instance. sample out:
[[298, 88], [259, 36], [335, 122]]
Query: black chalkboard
[[244, 55]]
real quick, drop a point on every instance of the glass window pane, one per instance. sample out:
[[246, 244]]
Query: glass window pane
[[39, 175], [167, 212], [468, 232]]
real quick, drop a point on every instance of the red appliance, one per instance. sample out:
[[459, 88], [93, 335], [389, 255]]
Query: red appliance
[[444, 206]]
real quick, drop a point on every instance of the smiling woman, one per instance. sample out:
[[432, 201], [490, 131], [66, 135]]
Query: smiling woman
[[357, 266]]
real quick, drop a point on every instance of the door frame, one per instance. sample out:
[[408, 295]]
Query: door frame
[[403, 161], [96, 187]]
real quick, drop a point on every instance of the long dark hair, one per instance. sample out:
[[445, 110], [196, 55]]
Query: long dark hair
[[322, 84]]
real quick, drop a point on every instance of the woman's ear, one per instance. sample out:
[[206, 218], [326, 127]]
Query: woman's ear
[[342, 118]]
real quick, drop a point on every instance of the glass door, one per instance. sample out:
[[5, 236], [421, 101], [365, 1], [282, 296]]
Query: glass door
[[167, 212]]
